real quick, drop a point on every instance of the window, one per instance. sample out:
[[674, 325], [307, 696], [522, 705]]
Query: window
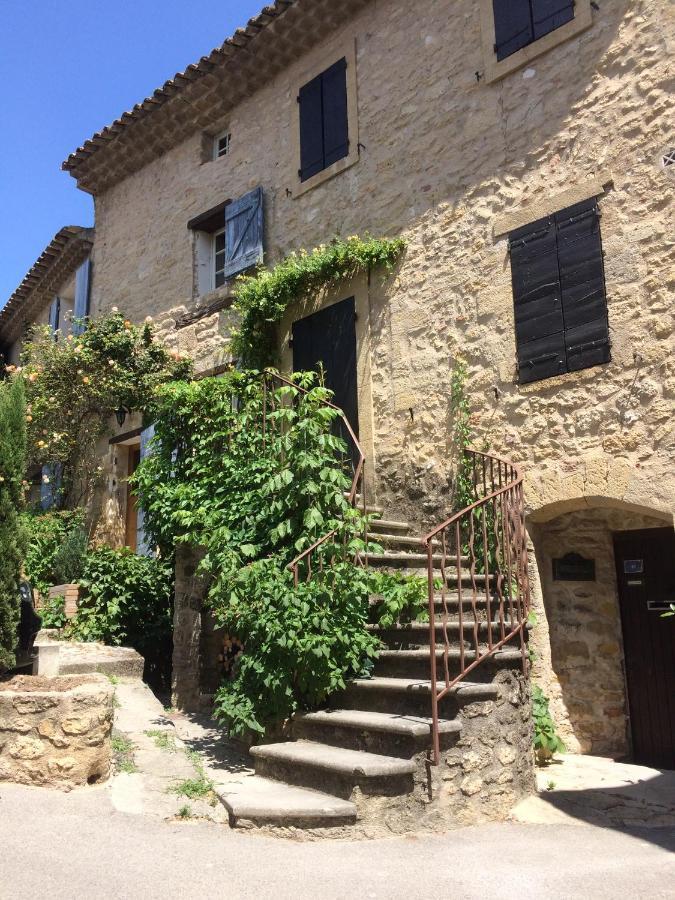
[[521, 22], [558, 282], [221, 144], [227, 240], [55, 316], [324, 130], [219, 258]]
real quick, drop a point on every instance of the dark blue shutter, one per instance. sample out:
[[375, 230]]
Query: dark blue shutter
[[582, 280], [547, 15], [335, 126], [244, 233], [537, 299], [82, 287], [311, 128], [54, 314], [143, 541], [513, 26], [50, 485]]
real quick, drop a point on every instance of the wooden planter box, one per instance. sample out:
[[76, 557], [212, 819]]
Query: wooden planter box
[[71, 593]]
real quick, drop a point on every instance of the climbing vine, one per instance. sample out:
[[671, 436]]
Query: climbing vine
[[263, 298], [73, 388]]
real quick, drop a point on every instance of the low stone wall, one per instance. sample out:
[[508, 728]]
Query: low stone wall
[[56, 731]]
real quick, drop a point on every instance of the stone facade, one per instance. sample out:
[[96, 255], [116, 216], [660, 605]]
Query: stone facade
[[56, 732]]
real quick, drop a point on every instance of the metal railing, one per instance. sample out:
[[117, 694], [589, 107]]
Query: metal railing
[[482, 550], [312, 559]]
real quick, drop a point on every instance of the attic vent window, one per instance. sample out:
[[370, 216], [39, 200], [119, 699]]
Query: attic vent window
[[221, 144]]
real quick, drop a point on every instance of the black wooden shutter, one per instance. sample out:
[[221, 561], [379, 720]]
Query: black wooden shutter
[[513, 26], [547, 15], [82, 285], [311, 128], [243, 233], [582, 281], [335, 126], [540, 334]]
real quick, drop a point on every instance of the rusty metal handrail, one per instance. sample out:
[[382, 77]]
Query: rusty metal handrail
[[304, 559], [498, 516]]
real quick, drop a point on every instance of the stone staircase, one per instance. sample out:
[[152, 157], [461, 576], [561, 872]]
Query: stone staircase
[[363, 765]]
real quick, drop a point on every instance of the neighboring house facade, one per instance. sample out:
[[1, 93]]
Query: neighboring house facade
[[54, 292], [525, 151]]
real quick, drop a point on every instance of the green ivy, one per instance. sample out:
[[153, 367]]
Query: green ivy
[[263, 298], [546, 739]]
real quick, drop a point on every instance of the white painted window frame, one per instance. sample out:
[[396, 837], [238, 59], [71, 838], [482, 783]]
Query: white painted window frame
[[217, 138], [212, 265]]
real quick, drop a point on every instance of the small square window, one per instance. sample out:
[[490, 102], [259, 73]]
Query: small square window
[[221, 144]]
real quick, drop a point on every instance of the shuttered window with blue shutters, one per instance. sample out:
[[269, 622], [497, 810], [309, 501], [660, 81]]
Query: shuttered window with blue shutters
[[559, 295], [521, 22], [324, 130], [82, 287]]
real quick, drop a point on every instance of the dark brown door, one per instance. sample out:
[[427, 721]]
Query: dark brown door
[[645, 569], [328, 338]]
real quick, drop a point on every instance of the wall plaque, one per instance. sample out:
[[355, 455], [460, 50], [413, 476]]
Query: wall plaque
[[573, 567]]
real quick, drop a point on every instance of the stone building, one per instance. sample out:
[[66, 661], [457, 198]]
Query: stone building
[[527, 156]]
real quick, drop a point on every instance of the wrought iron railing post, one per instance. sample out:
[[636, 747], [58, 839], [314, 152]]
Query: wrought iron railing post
[[435, 739]]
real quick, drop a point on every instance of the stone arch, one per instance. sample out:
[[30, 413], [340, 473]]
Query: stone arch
[[577, 640]]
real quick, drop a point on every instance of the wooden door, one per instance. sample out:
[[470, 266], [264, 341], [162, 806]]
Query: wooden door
[[131, 524], [329, 337], [645, 568]]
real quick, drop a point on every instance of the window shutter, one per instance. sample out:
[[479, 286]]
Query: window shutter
[[243, 232], [143, 546], [582, 280], [82, 285], [50, 485], [547, 15], [513, 26], [311, 128], [335, 126], [54, 313], [537, 300]]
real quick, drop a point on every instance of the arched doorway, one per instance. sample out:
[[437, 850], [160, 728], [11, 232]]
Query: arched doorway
[[609, 659]]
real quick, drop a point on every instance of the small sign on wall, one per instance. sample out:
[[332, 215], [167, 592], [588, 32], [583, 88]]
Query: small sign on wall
[[573, 567]]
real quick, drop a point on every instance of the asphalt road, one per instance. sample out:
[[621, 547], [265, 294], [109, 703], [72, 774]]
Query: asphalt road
[[76, 845]]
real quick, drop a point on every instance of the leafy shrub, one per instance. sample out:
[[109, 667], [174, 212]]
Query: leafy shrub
[[127, 599], [69, 559], [53, 612], [74, 386], [46, 536], [546, 740], [254, 498], [12, 470]]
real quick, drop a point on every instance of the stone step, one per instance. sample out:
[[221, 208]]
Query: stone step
[[337, 770], [412, 696], [262, 801], [416, 634], [389, 734], [414, 663], [387, 526]]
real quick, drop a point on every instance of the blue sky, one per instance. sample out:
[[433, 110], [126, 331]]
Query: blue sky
[[67, 68]]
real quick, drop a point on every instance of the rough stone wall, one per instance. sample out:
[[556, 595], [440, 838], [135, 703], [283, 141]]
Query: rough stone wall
[[577, 643], [197, 643], [443, 157], [58, 736], [491, 767]]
